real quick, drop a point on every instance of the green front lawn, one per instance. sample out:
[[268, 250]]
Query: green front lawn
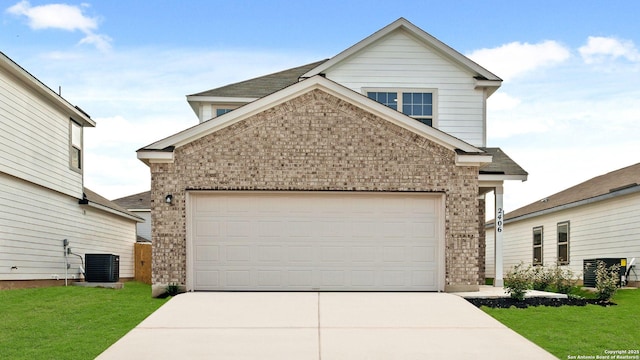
[[574, 330], [69, 322]]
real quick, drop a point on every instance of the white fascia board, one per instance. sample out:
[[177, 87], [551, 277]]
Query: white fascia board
[[155, 156], [422, 35], [473, 160], [293, 91], [490, 85], [221, 99], [43, 90], [489, 183], [115, 212], [500, 177]]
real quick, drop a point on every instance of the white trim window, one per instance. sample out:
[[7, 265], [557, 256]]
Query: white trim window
[[420, 104], [538, 233], [563, 243], [75, 146], [222, 111]]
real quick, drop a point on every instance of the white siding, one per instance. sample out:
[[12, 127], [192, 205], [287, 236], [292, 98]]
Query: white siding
[[144, 229], [35, 220], [34, 139], [609, 228], [400, 61]]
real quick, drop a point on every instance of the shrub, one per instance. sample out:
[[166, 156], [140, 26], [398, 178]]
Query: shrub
[[172, 289], [541, 277], [517, 281], [562, 279], [606, 281]]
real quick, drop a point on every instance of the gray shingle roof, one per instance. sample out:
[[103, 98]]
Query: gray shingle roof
[[610, 183], [93, 197], [502, 164], [261, 86], [135, 201]]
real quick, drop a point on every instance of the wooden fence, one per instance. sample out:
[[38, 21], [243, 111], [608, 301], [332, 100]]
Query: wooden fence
[[143, 262]]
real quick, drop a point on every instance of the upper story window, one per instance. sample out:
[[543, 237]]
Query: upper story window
[[419, 104], [75, 148], [222, 111]]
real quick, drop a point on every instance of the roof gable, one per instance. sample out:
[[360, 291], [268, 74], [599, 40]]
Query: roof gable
[[162, 151], [402, 24]]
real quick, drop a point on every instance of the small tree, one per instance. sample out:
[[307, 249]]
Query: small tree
[[517, 281], [606, 280]]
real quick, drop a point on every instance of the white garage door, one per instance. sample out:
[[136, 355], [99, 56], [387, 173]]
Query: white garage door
[[305, 241]]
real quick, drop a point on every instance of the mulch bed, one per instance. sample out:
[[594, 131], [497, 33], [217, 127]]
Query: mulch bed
[[536, 301]]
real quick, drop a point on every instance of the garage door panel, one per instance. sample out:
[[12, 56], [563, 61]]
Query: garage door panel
[[270, 278], [300, 254], [423, 278], [300, 278], [208, 253], [207, 280], [314, 241], [270, 253], [424, 254], [207, 227], [238, 278]]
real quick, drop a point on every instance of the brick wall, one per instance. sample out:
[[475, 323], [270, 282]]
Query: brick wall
[[315, 142]]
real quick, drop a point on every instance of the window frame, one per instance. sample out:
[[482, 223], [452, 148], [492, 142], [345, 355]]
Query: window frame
[[216, 107], [399, 94], [75, 147], [540, 261], [564, 243]]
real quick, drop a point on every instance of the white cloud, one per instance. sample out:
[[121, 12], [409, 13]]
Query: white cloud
[[516, 58], [599, 49], [502, 101], [62, 17], [101, 42]]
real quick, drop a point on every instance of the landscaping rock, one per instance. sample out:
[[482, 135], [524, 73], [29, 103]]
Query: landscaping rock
[[535, 301]]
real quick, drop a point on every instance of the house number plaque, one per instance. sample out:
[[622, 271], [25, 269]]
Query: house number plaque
[[499, 218]]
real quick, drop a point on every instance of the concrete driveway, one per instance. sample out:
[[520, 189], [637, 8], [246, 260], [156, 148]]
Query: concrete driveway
[[323, 326]]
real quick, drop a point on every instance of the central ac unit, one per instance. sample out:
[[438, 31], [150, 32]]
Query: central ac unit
[[102, 267]]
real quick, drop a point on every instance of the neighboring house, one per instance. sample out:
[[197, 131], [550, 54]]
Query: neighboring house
[[43, 200], [599, 218], [139, 204], [364, 172]]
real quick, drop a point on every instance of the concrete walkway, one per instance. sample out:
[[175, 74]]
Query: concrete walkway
[[491, 292], [327, 326]]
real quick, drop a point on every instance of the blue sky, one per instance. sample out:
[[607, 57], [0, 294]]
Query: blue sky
[[568, 110]]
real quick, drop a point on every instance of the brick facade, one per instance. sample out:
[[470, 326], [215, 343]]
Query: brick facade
[[315, 142]]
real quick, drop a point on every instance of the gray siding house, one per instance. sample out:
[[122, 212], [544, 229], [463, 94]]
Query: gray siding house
[[598, 218], [42, 195]]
